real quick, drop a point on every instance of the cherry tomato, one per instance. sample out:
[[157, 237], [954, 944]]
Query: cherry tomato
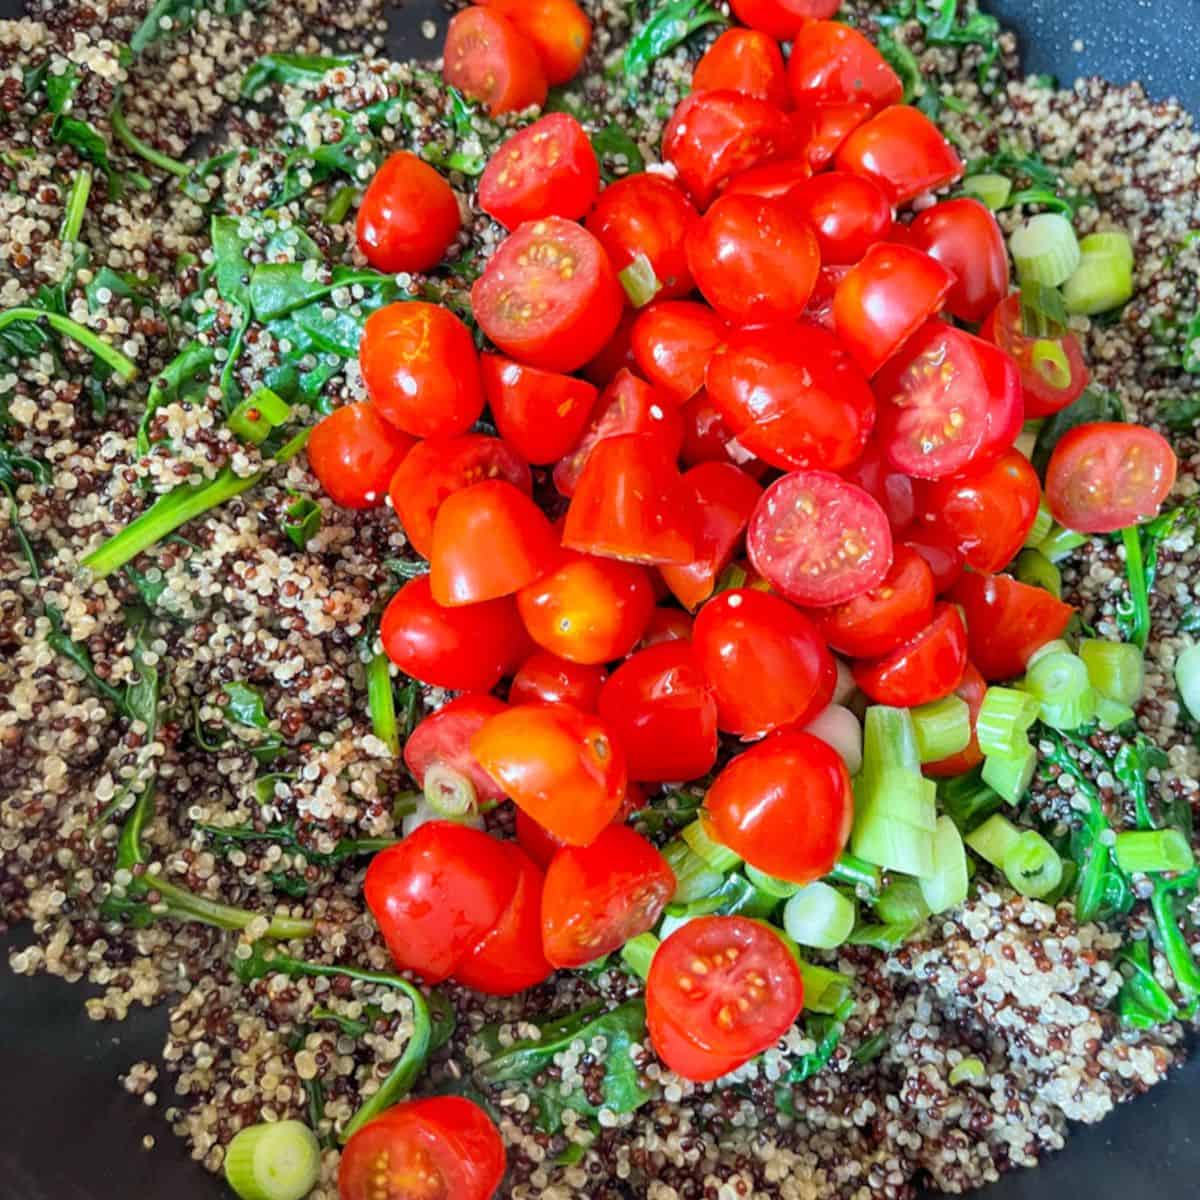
[[562, 766], [823, 131], [820, 304], [926, 667], [1107, 475], [673, 341], [421, 368], [667, 625], [675, 1047], [964, 236], [747, 61], [706, 437], [597, 897], [848, 214], [903, 151], [647, 216], [831, 63], [408, 216], [1006, 409], [424, 1150], [552, 680], [559, 30], [943, 560], [819, 540], [467, 649], [782, 18], [617, 353], [885, 299], [538, 843], [436, 894], [444, 739], [588, 610], [972, 689], [792, 396], [354, 453], [771, 181], [549, 296], [489, 60], [892, 489], [539, 413], [754, 260]]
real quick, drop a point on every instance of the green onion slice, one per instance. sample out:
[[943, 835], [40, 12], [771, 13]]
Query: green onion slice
[[277, 1161]]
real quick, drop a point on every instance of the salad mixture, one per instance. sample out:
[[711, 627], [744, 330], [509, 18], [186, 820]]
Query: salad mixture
[[607, 614]]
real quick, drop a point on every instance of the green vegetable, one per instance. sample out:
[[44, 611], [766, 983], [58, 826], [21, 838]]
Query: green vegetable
[[694, 878], [942, 728], [1062, 688], [304, 520], [639, 281], [990, 189], [169, 18], [669, 23], [1045, 250], [449, 792], [825, 991], [255, 417], [967, 800], [993, 839], [142, 148], [137, 701], [1009, 775], [104, 351], [856, 873], [826, 1031], [1103, 280], [949, 882], [279, 70], [276, 1161], [1093, 405], [1035, 569], [1143, 1002], [76, 206], [1032, 865], [1116, 669], [779, 888], [382, 702], [1187, 679], [736, 896], [820, 916], [1153, 850], [1142, 543], [618, 153], [715, 855], [225, 837], [1042, 525], [638, 953], [941, 26], [185, 379], [900, 902], [1043, 185], [1059, 543], [10, 464], [966, 1071], [1004, 720]]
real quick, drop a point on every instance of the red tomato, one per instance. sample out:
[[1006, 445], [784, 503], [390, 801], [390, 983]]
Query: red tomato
[[1107, 475], [903, 151], [771, 181], [489, 60], [766, 662], [831, 63], [892, 489], [820, 304], [964, 236], [588, 610], [436, 894], [782, 18], [424, 1150], [354, 453], [819, 540], [926, 667], [408, 216], [549, 296], [667, 625], [848, 214], [628, 405], [754, 260], [792, 396], [616, 354], [747, 61], [539, 413], [630, 503], [552, 680], [943, 560], [597, 897], [562, 766], [444, 739], [437, 468], [885, 299], [1006, 409], [675, 1047], [823, 131], [559, 30], [467, 649], [714, 135], [673, 341], [421, 368], [986, 514], [972, 689], [538, 843], [706, 437]]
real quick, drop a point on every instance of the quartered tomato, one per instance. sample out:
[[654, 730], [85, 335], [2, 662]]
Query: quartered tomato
[[972, 689], [421, 368], [823, 131], [673, 341], [926, 667], [771, 181], [943, 560], [831, 63], [617, 353], [552, 680], [408, 216], [848, 214], [443, 739], [964, 236], [820, 304], [538, 843], [891, 488], [542, 415], [597, 897], [559, 30], [354, 453], [562, 766], [819, 540], [744, 60], [667, 625], [1107, 475], [782, 18], [903, 151], [488, 59], [549, 296]]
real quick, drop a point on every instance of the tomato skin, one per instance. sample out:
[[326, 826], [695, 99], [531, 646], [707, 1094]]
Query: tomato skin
[[964, 236], [771, 181], [540, 414], [489, 60], [824, 130], [831, 63], [673, 341], [559, 30], [444, 738], [549, 679], [617, 353], [754, 260], [927, 667], [1005, 409], [706, 437], [467, 649], [558, 268], [599, 896], [847, 213], [782, 18], [562, 766], [747, 61], [972, 689], [408, 216], [667, 625], [891, 489], [538, 843], [1107, 475], [436, 894], [903, 151], [820, 304], [354, 453], [943, 560]]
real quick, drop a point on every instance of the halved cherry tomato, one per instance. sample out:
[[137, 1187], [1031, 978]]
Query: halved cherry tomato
[[424, 1150], [891, 488], [819, 540], [539, 413], [630, 503], [675, 1047], [943, 560], [354, 453], [436, 894], [848, 214], [549, 679], [588, 610], [754, 260], [964, 236], [673, 341], [782, 18], [708, 439], [792, 396], [468, 649], [771, 181], [823, 131], [903, 151], [559, 30], [1107, 475], [549, 296], [926, 667], [744, 60], [408, 216], [831, 63], [444, 739], [538, 843], [667, 625], [562, 766], [766, 661], [599, 896], [1006, 407], [488, 59], [885, 299], [820, 304], [972, 689]]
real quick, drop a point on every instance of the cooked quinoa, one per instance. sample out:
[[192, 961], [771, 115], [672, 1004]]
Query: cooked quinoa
[[1014, 988]]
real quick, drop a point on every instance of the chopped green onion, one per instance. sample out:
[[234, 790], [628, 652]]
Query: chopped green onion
[[639, 281], [1061, 684], [901, 902], [1025, 445], [705, 846], [670, 924], [1032, 866], [694, 878], [966, 1071], [781, 889], [277, 1161], [1009, 775], [425, 812], [942, 728], [992, 190], [1050, 361], [1045, 250], [1117, 669], [967, 800], [1061, 543], [1042, 523], [257, 415], [449, 792], [839, 727], [893, 844], [825, 991], [1103, 280], [948, 883], [1035, 569], [1043, 314], [819, 916], [1058, 646], [1004, 720], [638, 952], [856, 873], [993, 839], [889, 739], [899, 796], [339, 205], [1187, 679], [1154, 850], [1112, 714]]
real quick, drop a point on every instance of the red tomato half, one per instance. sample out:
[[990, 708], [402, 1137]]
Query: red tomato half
[[964, 236], [549, 679], [673, 341], [538, 843], [549, 296], [354, 453], [903, 151], [831, 63], [771, 181], [823, 131], [559, 30], [943, 560], [819, 540], [408, 216], [848, 214], [489, 60], [744, 60], [539, 413], [927, 667], [617, 353], [820, 304], [667, 625], [597, 897], [891, 488], [444, 739], [972, 689], [1107, 475], [782, 18]]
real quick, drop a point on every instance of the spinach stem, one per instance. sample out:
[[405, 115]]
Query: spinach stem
[[143, 149], [77, 201], [382, 702], [124, 367]]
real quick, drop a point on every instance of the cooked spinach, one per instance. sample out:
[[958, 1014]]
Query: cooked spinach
[[245, 708], [1142, 544]]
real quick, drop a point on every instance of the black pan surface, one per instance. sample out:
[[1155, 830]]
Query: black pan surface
[[68, 1132]]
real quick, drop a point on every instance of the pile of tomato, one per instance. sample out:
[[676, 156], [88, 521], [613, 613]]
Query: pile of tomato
[[794, 394]]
